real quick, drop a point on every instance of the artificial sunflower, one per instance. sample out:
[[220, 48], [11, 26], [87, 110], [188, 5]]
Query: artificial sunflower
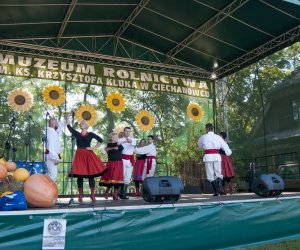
[[88, 113], [54, 95], [115, 102], [145, 120], [194, 112], [20, 100]]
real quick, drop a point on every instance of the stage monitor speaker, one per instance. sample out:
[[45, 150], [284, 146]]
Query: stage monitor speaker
[[162, 189], [268, 185]]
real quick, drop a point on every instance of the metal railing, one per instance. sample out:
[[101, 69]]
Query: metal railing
[[248, 169]]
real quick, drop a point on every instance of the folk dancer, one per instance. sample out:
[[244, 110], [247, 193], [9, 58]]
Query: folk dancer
[[86, 164], [114, 176], [150, 152], [212, 143], [128, 144], [138, 169], [53, 147], [227, 168]]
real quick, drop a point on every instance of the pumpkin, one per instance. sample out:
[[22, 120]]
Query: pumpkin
[[40, 191], [2, 161], [10, 166], [5, 193], [21, 174], [3, 171]]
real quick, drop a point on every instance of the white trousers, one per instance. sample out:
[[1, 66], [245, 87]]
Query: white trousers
[[51, 168], [213, 170], [127, 171], [152, 170]]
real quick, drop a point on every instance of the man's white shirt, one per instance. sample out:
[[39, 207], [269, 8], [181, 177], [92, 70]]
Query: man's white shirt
[[149, 150], [53, 143], [128, 148], [213, 141]]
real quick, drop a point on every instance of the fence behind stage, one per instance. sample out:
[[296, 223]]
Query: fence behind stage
[[286, 165]]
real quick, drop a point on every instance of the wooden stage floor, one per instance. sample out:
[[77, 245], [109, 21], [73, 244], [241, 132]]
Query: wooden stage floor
[[185, 200]]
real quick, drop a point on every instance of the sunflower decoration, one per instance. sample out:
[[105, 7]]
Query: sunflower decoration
[[54, 95], [145, 120], [194, 112], [20, 100], [115, 102], [88, 113]]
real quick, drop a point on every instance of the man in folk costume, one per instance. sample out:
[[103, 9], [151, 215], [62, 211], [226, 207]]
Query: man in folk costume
[[212, 143], [128, 144], [53, 147], [150, 152]]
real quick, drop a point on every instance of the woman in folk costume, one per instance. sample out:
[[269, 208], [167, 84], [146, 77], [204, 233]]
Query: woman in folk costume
[[150, 151], [227, 168], [86, 164], [114, 176], [138, 169]]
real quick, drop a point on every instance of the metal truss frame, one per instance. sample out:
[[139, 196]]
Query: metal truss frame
[[281, 41], [207, 26], [66, 19], [6, 45], [162, 62]]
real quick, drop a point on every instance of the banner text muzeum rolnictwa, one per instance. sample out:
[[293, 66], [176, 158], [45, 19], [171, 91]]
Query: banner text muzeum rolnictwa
[[97, 74]]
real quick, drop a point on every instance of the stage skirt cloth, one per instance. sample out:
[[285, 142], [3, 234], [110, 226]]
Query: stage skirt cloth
[[87, 164], [227, 167], [138, 170], [114, 174]]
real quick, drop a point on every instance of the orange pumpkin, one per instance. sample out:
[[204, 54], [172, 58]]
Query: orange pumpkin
[[2, 161], [40, 191], [10, 166], [3, 171], [21, 174]]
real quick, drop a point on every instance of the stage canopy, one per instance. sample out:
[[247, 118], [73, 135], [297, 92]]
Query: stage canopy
[[195, 38]]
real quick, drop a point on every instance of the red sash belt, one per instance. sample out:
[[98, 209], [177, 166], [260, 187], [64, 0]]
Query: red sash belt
[[149, 162], [47, 152], [211, 151], [129, 157]]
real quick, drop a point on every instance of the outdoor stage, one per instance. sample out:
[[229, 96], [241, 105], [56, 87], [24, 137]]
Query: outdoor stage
[[196, 221]]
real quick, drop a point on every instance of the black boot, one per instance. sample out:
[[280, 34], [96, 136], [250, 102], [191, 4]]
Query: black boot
[[214, 186], [219, 185], [123, 192]]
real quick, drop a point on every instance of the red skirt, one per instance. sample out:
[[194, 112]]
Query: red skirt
[[138, 170], [227, 167], [114, 174], [87, 164]]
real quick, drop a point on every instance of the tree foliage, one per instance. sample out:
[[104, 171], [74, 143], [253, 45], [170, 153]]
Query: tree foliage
[[246, 94]]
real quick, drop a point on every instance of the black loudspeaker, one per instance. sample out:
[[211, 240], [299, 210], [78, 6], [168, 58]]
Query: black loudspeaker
[[162, 189], [268, 185]]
